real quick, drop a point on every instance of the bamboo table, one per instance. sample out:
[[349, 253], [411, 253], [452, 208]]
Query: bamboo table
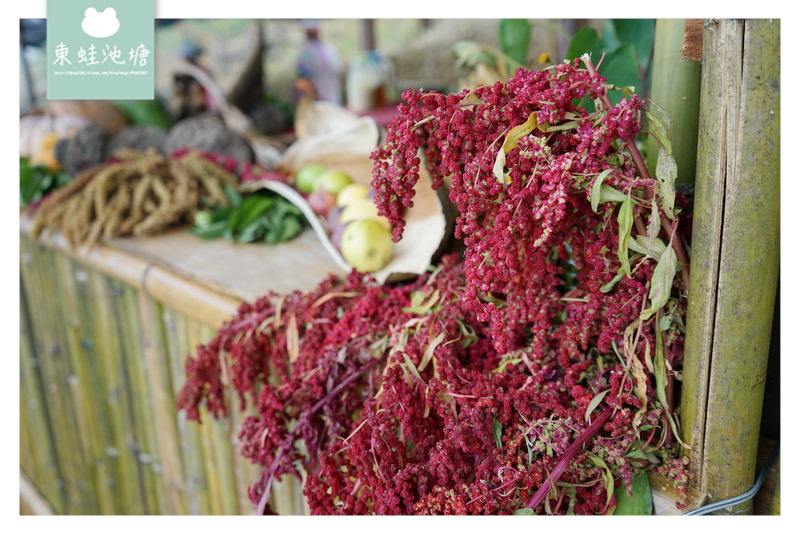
[[104, 336]]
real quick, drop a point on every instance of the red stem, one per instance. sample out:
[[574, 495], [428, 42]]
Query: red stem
[[567, 458], [287, 442]]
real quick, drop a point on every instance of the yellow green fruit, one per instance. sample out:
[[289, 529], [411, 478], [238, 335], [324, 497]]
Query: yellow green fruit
[[332, 181], [307, 176], [366, 245], [351, 193], [363, 209]]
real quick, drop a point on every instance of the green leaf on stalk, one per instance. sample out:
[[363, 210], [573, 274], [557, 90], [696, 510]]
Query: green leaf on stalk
[[410, 366], [428, 355], [659, 131], [525, 511], [497, 432], [625, 219], [651, 248], [594, 403], [515, 39], [512, 139], [666, 173], [654, 224], [660, 125], [638, 452], [640, 502], [549, 128], [660, 371], [610, 194], [665, 322], [610, 285], [661, 282], [609, 477], [419, 306], [596, 188], [234, 198]]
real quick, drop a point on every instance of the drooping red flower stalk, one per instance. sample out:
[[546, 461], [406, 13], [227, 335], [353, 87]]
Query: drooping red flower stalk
[[467, 390]]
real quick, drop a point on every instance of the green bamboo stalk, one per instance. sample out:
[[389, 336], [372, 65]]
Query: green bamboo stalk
[[127, 491], [163, 403], [38, 442], [76, 382], [56, 374], [76, 299], [34, 315], [140, 394], [176, 334], [676, 88], [735, 257]]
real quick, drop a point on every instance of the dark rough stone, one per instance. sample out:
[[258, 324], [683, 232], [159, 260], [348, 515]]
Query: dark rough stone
[[85, 149], [138, 138], [209, 134]]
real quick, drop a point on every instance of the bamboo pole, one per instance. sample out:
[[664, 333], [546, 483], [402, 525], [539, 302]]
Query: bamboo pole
[[45, 312], [676, 88], [127, 491], [177, 347], [146, 448], [34, 414], [735, 257], [83, 357], [163, 404]]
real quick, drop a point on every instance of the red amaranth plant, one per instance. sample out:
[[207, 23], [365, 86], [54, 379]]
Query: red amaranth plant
[[534, 375]]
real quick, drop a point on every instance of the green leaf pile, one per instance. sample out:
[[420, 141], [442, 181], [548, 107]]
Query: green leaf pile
[[35, 182], [259, 217]]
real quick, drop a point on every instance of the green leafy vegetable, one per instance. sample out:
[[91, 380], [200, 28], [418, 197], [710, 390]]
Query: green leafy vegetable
[[35, 182], [260, 217], [145, 112], [640, 502]]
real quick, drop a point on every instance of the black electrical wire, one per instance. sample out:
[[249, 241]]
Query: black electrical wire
[[750, 494]]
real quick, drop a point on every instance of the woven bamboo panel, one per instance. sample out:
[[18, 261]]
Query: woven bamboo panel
[[101, 363]]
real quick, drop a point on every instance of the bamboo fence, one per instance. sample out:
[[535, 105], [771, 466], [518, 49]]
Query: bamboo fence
[[103, 343]]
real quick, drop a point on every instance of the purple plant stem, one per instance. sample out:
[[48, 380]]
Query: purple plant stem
[[287, 443], [567, 458]]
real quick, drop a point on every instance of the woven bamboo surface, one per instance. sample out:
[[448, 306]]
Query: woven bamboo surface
[[104, 335]]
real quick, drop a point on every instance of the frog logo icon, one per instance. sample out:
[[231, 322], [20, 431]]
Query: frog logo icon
[[100, 24]]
